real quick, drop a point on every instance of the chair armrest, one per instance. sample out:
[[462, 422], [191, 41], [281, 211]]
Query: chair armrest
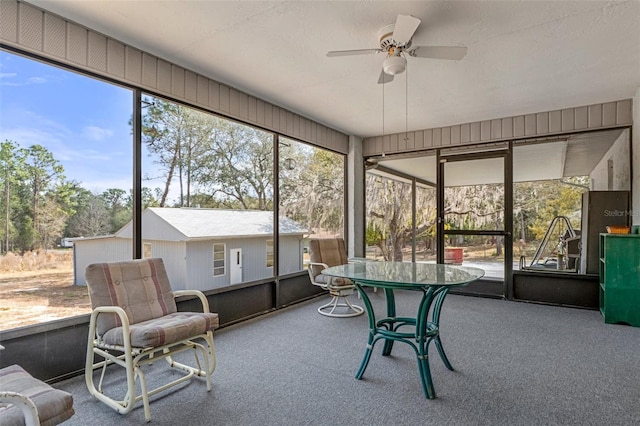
[[124, 319], [197, 293], [310, 271], [112, 310], [24, 403], [324, 265]]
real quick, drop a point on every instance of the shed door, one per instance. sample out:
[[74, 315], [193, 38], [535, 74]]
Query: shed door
[[235, 266]]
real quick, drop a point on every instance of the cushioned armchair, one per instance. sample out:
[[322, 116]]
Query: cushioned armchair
[[324, 253], [135, 321]]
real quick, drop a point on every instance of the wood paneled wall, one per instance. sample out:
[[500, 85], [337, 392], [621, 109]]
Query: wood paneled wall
[[28, 28], [551, 123]]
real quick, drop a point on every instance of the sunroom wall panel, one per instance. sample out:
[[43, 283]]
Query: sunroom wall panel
[[9, 21], [30, 27], [97, 58], [32, 30], [542, 124], [54, 31], [77, 45]]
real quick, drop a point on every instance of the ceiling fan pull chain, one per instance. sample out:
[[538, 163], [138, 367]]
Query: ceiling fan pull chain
[[406, 105], [383, 114]]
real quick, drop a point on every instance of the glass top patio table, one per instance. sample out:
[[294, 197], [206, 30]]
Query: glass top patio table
[[433, 280], [405, 275]]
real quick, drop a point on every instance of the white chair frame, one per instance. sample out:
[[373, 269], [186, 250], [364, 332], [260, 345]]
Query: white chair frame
[[340, 295], [25, 404], [133, 358]]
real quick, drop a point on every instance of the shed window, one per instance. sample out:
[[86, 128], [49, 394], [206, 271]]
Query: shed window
[[146, 251], [269, 253], [218, 259]]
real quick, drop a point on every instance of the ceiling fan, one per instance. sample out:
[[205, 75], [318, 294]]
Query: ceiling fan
[[395, 41]]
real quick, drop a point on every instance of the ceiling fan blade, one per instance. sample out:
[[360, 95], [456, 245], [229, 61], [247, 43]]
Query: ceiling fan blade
[[438, 52], [352, 52], [404, 28], [384, 78]]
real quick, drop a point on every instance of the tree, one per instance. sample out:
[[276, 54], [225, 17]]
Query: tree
[[12, 177], [44, 173], [177, 137], [92, 217], [36, 199], [118, 204], [52, 221], [476, 207], [312, 187], [237, 166], [389, 214]]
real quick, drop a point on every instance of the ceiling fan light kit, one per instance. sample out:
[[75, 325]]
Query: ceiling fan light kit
[[394, 65], [395, 40]]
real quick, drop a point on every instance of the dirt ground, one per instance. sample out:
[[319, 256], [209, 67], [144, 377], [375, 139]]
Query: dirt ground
[[32, 297]]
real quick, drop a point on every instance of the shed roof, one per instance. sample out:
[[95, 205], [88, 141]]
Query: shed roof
[[195, 223]]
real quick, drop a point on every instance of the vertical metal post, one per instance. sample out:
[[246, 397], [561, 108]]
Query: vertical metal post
[[440, 208], [7, 207], [345, 200], [276, 216], [414, 199], [508, 225], [137, 175]]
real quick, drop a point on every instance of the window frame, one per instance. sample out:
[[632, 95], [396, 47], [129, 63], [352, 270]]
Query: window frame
[[147, 250], [224, 259]]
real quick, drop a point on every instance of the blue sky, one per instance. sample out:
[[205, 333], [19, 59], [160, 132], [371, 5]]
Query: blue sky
[[82, 121]]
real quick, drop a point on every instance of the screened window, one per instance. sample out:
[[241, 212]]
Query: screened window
[[66, 174], [203, 170], [218, 259], [388, 232], [312, 197]]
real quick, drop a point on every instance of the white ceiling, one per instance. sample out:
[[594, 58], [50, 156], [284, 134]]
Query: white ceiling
[[523, 56]]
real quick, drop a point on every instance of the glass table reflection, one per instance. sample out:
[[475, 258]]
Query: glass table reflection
[[433, 280]]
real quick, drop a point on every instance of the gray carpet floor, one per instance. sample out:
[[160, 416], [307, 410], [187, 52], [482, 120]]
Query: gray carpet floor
[[515, 364]]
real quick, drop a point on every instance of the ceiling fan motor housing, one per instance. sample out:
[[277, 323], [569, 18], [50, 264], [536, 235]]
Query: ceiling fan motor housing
[[385, 35]]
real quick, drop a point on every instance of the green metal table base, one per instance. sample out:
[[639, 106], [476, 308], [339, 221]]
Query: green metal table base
[[424, 331]]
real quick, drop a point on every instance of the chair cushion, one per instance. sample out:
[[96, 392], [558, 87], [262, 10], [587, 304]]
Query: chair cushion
[[140, 287], [336, 282], [330, 251], [54, 405], [165, 330]]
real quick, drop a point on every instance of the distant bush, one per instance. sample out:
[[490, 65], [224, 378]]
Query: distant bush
[[36, 260]]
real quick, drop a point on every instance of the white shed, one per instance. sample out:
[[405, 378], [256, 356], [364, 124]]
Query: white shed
[[202, 248]]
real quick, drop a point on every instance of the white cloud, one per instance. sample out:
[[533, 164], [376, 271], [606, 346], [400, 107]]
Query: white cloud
[[96, 133], [36, 80], [30, 136], [98, 186], [15, 82]]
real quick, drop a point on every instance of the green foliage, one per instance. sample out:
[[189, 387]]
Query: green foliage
[[374, 236], [559, 198], [312, 187], [209, 158]]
